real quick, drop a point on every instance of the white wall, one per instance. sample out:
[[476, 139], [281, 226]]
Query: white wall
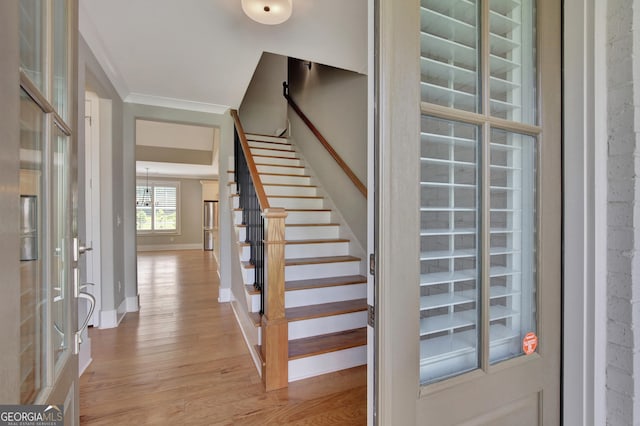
[[335, 101]]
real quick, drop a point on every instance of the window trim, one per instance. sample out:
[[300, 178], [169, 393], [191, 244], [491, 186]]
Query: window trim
[[141, 181]]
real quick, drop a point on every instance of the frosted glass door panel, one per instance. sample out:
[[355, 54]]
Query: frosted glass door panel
[[513, 241], [32, 40], [449, 53], [512, 60], [449, 249]]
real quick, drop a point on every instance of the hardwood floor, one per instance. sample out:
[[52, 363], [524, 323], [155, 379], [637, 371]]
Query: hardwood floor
[[182, 360]]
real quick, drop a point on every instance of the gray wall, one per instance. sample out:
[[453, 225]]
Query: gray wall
[[9, 196], [91, 76], [335, 101], [264, 109], [190, 215], [623, 213]]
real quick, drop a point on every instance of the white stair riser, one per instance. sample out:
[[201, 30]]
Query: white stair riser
[[324, 295], [294, 217], [325, 325], [268, 138], [279, 153], [253, 302], [303, 368], [237, 217], [280, 169], [295, 233], [241, 233], [287, 180], [257, 144], [296, 251], [308, 191], [235, 202], [323, 270], [279, 161], [296, 203]]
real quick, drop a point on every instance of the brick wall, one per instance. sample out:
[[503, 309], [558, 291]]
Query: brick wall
[[623, 260]]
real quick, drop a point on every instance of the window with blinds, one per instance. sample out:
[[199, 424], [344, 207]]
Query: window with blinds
[[157, 207], [478, 183]]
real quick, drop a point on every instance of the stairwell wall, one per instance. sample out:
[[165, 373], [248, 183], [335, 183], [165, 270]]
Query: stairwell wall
[[335, 101], [264, 109]]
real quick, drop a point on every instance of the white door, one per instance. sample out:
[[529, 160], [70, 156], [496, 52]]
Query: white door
[[469, 212]]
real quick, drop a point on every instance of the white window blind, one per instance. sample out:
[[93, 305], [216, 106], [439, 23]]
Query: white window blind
[[157, 206], [457, 278]]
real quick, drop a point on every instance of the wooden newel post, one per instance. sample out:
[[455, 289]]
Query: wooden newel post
[[275, 333]]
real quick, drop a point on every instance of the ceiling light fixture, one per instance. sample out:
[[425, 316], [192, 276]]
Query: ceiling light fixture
[[268, 12]]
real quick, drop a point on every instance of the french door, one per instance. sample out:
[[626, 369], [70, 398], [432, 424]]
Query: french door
[[48, 220], [469, 214]]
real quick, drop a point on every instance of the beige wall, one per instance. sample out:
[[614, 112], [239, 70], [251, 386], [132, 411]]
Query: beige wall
[[335, 101], [264, 109], [190, 217], [210, 189]]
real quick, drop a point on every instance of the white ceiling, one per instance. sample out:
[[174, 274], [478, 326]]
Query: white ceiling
[[201, 54]]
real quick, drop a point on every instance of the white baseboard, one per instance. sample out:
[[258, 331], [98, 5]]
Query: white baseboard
[[224, 295], [108, 319], [113, 317], [247, 339], [84, 357], [133, 303], [165, 247]]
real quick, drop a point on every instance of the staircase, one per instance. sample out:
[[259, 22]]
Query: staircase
[[325, 291]]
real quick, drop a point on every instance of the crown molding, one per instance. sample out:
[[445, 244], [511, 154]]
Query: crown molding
[[161, 101]]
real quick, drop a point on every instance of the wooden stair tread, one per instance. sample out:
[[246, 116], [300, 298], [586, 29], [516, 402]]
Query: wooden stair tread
[[320, 260], [324, 282], [295, 196], [325, 343], [274, 156], [279, 165], [309, 261], [300, 313], [271, 142], [250, 289], [256, 318], [309, 224], [290, 184], [282, 174], [271, 149]]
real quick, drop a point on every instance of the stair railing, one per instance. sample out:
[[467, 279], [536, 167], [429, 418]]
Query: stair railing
[[265, 227], [345, 168]]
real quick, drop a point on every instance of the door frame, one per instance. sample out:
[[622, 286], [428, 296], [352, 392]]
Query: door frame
[[585, 212]]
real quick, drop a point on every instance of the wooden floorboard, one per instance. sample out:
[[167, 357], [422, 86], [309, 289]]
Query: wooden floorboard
[[182, 360]]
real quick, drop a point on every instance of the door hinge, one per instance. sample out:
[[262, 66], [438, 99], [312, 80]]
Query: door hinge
[[372, 264], [371, 316]]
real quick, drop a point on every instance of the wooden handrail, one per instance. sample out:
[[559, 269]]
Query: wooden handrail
[[361, 187], [253, 170]]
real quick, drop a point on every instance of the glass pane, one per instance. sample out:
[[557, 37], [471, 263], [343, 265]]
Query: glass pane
[[449, 53], [32, 41], [143, 208], [165, 208], [33, 295], [449, 285], [60, 58], [513, 60], [513, 243], [60, 236]]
